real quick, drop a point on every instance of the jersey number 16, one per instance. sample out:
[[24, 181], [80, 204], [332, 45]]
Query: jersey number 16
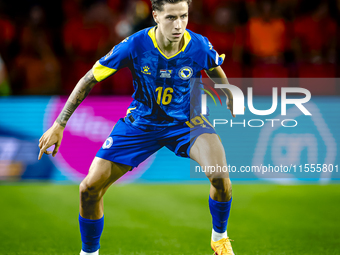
[[165, 96]]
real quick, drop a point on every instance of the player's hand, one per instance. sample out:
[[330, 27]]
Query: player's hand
[[52, 136], [230, 106]]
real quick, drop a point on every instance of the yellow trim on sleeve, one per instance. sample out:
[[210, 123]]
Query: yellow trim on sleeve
[[101, 72], [223, 57], [186, 36]]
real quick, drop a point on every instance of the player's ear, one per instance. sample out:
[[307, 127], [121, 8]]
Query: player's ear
[[155, 16]]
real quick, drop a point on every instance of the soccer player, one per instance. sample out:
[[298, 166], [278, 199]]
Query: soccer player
[[162, 60]]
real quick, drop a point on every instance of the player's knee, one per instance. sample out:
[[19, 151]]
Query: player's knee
[[217, 183], [89, 192], [221, 184]]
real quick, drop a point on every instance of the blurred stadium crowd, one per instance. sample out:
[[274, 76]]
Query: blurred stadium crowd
[[47, 46]]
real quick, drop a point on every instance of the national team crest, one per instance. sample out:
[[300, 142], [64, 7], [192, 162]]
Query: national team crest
[[108, 143], [185, 73]]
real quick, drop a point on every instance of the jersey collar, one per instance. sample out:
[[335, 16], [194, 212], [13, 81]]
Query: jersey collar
[[152, 35]]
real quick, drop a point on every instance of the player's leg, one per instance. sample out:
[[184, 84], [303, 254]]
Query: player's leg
[[126, 144], [208, 150], [101, 175]]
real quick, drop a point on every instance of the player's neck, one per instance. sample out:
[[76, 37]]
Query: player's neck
[[167, 47]]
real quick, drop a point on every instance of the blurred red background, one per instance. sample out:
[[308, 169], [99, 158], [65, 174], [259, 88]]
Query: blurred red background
[[47, 46]]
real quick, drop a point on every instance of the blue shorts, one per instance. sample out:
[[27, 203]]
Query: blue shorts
[[131, 146]]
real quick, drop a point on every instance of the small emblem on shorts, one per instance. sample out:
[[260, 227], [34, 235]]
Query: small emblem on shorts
[[108, 143], [185, 73]]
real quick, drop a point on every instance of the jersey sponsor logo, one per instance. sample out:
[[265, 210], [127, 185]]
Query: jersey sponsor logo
[[185, 73], [165, 73], [108, 143], [145, 70]]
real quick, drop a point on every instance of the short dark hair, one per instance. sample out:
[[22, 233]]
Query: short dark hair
[[157, 5]]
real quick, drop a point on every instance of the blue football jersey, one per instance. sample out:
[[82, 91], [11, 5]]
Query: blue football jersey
[[163, 90]]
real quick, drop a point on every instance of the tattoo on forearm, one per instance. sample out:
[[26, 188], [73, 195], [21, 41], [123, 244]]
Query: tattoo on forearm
[[77, 96]]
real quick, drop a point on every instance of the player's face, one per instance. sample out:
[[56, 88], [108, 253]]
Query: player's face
[[172, 20]]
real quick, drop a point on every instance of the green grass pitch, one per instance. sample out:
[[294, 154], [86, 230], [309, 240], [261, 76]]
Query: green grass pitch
[[173, 219]]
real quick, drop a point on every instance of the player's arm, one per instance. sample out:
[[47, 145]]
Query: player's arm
[[54, 135], [218, 76], [77, 96]]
